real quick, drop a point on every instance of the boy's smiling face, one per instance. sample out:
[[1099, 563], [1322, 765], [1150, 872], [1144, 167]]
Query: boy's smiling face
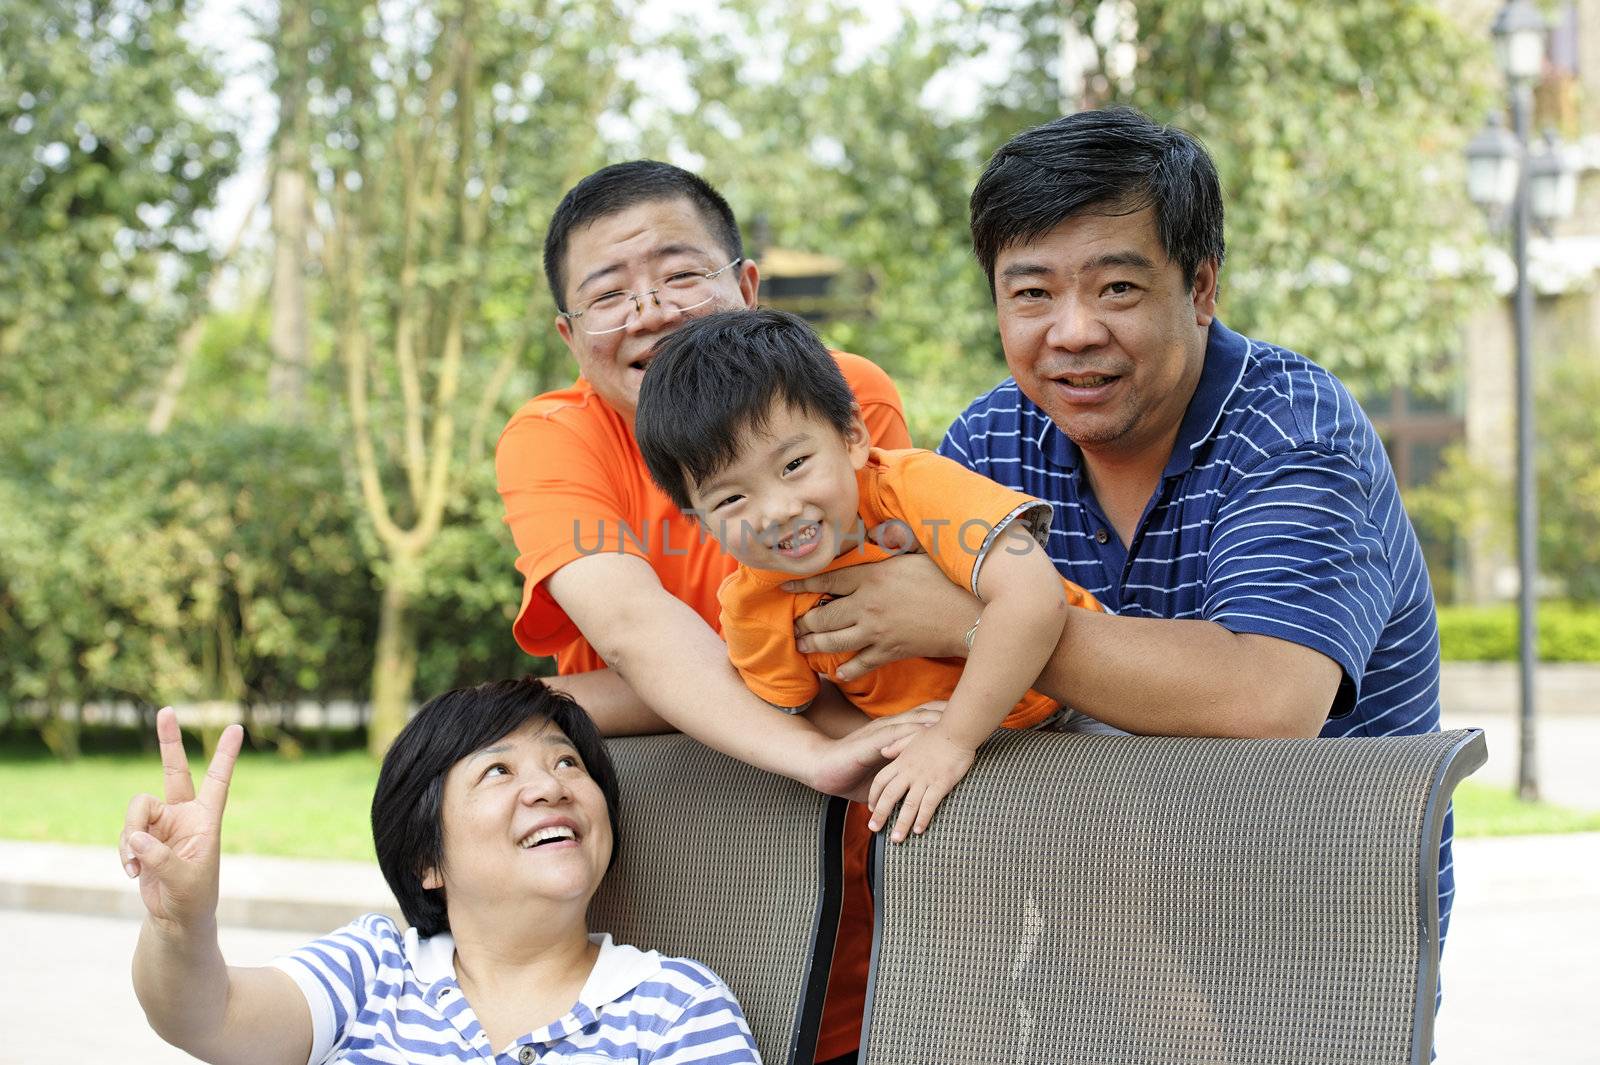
[[787, 502]]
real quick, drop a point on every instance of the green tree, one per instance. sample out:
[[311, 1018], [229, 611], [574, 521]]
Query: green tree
[[1472, 501], [112, 149], [1569, 478], [1337, 131], [849, 153], [206, 563], [446, 129]]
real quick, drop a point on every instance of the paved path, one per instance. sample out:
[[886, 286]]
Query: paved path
[[67, 977], [1521, 969]]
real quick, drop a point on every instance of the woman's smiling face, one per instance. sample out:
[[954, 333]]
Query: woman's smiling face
[[522, 818]]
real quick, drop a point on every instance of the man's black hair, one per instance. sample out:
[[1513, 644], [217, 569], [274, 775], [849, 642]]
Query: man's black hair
[[718, 376], [619, 187], [1115, 161], [408, 803]]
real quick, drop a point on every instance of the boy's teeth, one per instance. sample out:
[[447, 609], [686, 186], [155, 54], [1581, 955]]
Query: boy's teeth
[[800, 536]]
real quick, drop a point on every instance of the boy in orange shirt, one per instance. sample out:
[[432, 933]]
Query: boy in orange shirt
[[746, 423]]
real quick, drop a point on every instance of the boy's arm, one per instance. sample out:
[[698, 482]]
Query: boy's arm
[[1024, 611], [671, 657]]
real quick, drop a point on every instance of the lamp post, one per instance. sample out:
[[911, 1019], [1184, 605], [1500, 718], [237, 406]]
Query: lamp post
[[1539, 187]]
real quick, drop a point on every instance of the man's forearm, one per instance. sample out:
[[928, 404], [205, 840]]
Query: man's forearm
[[1158, 676], [669, 657], [667, 654], [616, 708], [1147, 675], [694, 689]]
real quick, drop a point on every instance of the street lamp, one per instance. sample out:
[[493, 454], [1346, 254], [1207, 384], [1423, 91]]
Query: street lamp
[[1503, 173], [1519, 32], [1552, 182]]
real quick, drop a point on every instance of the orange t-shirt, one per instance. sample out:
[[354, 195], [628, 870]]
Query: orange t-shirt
[[574, 483], [957, 517]]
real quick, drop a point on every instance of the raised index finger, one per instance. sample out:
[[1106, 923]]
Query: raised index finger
[[214, 789], [176, 784]]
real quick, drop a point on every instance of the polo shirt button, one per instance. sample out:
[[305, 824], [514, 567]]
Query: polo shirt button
[[527, 1054], [1101, 536]]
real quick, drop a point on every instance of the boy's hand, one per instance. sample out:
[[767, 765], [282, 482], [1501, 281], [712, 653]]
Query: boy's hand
[[848, 764], [927, 767], [173, 846]]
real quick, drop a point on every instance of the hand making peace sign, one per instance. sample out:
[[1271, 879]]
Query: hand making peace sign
[[173, 846]]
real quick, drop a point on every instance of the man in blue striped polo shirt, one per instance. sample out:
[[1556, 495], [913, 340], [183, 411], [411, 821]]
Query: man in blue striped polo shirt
[[1226, 499]]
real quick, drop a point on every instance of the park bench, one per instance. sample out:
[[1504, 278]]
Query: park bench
[[1079, 898]]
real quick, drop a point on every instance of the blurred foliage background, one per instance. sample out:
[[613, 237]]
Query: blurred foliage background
[[255, 468]]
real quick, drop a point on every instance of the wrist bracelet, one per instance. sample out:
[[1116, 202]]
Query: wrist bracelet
[[970, 634]]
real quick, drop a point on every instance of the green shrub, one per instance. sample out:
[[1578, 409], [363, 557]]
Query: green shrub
[[222, 563], [201, 564], [1567, 632]]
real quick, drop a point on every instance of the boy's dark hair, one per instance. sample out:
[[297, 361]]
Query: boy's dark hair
[[1117, 161], [408, 803], [718, 376], [619, 187]]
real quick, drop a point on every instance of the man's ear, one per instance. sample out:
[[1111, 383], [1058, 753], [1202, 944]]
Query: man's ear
[[564, 331], [749, 283], [1204, 293], [857, 440]]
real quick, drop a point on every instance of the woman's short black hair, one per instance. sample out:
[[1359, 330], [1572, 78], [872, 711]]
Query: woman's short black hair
[[1118, 161], [621, 186], [408, 804], [718, 376]]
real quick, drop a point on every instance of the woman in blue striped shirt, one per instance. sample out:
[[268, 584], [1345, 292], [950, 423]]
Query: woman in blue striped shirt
[[494, 820]]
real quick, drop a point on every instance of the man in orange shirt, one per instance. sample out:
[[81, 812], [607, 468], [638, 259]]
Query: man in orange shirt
[[617, 583]]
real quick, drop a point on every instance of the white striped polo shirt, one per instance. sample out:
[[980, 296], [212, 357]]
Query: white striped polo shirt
[[381, 995]]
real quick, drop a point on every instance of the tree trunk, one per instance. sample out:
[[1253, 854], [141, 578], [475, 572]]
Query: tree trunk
[[290, 333], [172, 382], [61, 732], [394, 666]]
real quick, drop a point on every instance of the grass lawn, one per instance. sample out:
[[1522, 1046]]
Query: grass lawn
[[316, 807], [1485, 810]]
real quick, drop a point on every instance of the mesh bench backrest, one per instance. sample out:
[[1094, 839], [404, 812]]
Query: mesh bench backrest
[[734, 867], [1105, 899]]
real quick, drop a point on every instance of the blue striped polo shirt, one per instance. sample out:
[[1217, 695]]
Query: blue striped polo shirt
[[1277, 514], [380, 995]]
